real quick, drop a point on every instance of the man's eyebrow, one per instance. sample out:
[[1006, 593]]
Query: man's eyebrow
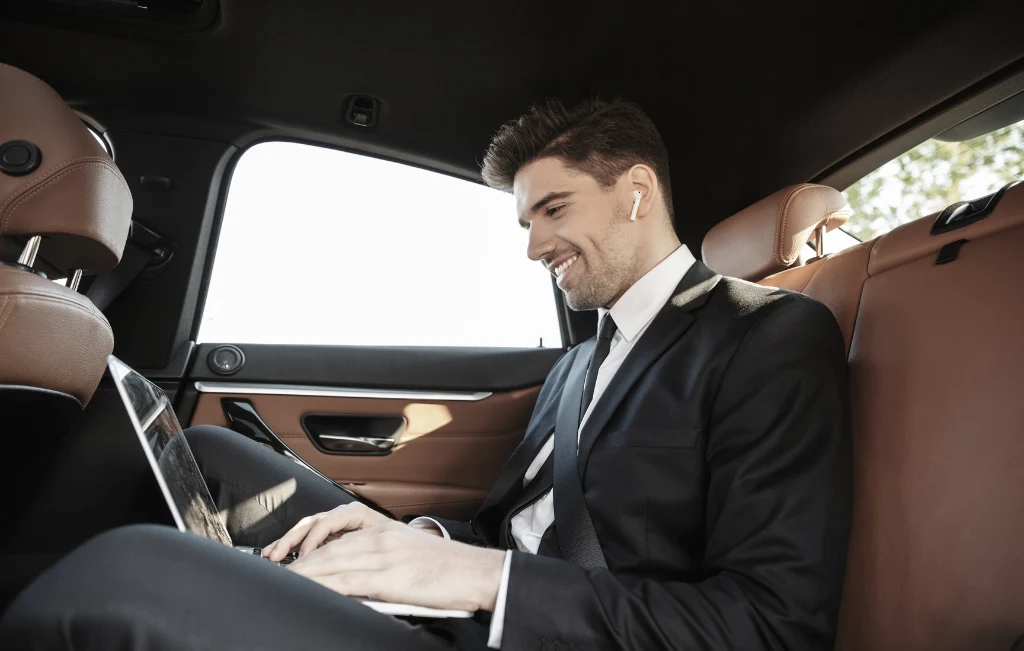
[[548, 198]]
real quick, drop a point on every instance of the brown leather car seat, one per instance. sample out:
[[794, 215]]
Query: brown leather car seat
[[769, 235], [936, 360], [65, 210], [763, 241]]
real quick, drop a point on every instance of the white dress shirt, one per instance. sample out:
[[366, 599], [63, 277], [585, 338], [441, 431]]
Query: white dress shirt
[[632, 313]]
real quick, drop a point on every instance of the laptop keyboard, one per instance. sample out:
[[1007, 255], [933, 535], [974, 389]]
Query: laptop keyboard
[[258, 551]]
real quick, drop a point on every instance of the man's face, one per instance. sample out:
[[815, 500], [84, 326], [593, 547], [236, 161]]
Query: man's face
[[579, 231]]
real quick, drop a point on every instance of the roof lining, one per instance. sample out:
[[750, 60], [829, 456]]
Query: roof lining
[[958, 109]]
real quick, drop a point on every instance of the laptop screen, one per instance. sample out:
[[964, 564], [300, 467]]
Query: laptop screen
[[168, 453]]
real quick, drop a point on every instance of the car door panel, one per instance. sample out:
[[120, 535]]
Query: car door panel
[[444, 462]]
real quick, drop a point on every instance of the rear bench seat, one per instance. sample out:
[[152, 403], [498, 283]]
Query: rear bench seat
[[936, 368]]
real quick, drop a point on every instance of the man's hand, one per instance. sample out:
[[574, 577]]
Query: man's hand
[[314, 530], [400, 564]]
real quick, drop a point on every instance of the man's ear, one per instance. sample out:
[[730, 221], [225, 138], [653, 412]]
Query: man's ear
[[642, 178]]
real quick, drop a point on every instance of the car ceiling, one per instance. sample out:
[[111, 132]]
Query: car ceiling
[[749, 96]]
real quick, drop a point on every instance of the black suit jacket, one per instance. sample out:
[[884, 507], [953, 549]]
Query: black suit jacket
[[716, 468]]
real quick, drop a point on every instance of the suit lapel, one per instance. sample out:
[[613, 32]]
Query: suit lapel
[[542, 424], [670, 324]]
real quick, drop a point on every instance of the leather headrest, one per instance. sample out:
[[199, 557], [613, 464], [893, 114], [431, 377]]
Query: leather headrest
[[76, 198], [767, 237], [51, 337]]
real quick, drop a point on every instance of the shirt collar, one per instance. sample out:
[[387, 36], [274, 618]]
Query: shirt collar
[[641, 303]]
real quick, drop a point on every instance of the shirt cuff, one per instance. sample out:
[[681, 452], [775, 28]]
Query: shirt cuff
[[498, 617], [424, 519]]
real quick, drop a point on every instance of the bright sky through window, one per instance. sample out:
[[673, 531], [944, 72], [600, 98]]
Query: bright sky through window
[[320, 246]]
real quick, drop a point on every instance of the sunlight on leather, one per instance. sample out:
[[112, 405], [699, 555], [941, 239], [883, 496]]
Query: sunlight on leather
[[423, 419]]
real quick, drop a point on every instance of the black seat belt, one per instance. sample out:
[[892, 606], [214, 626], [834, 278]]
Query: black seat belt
[[108, 286], [143, 249], [577, 539]]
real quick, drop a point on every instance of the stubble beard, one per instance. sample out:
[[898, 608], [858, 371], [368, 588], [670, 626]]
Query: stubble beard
[[600, 286], [596, 289]]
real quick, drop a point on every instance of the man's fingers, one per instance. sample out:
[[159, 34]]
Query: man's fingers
[[317, 534], [295, 535], [312, 531], [339, 520]]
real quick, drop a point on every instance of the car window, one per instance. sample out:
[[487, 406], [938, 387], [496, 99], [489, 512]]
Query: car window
[[932, 176], [836, 240], [319, 246]]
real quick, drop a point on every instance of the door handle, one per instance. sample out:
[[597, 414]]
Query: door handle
[[242, 418], [355, 434], [338, 443]]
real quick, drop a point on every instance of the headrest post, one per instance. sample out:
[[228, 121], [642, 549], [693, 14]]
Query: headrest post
[[74, 280], [31, 250], [774, 233]]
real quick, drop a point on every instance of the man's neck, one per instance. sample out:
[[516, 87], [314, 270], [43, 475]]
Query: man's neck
[[653, 258]]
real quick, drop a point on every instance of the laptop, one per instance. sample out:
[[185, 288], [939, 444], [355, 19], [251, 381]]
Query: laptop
[[182, 484]]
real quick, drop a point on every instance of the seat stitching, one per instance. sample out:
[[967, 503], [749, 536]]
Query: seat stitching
[[36, 293], [783, 217], [804, 286], [6, 312], [841, 212], [32, 182], [823, 220], [860, 298], [54, 179], [60, 301]]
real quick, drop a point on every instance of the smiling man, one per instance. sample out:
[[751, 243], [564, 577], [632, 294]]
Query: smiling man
[[684, 482]]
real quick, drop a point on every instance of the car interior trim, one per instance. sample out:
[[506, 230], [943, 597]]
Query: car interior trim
[[337, 392]]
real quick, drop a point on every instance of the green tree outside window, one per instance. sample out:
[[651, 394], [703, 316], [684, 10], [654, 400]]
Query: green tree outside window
[[931, 176]]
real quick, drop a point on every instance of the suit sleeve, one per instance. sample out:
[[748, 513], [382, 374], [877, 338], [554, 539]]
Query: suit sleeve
[[777, 516]]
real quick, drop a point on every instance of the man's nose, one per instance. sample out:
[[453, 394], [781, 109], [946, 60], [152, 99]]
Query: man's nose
[[540, 243]]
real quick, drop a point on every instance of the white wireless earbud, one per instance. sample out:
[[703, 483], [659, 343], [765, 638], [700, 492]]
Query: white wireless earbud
[[636, 204]]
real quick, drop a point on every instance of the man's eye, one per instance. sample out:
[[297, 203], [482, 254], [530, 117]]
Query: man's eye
[[554, 210]]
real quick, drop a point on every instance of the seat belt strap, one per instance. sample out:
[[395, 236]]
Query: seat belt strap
[[108, 286], [577, 539]]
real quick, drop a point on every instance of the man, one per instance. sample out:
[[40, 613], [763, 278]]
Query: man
[[695, 493]]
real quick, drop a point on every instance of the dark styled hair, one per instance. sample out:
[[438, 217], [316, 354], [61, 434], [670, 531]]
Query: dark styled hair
[[599, 138]]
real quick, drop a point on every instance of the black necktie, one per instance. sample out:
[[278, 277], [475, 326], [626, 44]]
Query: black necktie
[[604, 344]]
